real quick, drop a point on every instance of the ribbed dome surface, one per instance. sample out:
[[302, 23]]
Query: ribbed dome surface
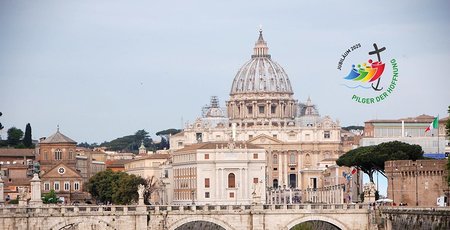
[[261, 74]]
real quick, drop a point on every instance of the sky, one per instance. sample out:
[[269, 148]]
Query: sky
[[105, 69]]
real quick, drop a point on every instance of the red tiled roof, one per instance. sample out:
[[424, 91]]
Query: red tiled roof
[[58, 138], [9, 152]]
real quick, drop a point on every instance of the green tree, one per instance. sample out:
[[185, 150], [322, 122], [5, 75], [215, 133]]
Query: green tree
[[50, 198], [361, 158], [168, 132], [129, 143], [353, 127], [27, 138], [1, 126], [114, 187], [371, 158], [14, 136], [165, 137], [126, 192]]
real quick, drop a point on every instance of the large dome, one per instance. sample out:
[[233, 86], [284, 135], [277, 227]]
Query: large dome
[[261, 74]]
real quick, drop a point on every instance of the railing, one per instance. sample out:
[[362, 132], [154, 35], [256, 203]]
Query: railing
[[53, 210], [213, 208], [57, 210]]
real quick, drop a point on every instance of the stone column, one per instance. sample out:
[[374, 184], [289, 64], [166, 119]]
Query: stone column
[[299, 181], [222, 184], [2, 197], [286, 169], [240, 194], [217, 179], [36, 199], [280, 168]]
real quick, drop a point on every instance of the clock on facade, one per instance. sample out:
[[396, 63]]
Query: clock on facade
[[61, 170]]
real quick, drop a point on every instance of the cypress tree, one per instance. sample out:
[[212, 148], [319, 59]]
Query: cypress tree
[[27, 138]]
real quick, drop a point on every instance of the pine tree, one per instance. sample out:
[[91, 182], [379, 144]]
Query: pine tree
[[27, 138]]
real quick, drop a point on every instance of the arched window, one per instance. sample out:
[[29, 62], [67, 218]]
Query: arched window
[[275, 183], [231, 180], [70, 154], [58, 154], [275, 158]]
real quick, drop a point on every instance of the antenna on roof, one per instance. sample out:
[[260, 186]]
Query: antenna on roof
[[57, 128]]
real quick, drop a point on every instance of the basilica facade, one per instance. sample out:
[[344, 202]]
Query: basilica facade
[[262, 111]]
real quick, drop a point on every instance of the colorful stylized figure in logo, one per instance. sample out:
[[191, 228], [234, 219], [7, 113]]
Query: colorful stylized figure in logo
[[369, 73]]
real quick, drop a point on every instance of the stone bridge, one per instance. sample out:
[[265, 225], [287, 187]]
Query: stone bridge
[[228, 217]]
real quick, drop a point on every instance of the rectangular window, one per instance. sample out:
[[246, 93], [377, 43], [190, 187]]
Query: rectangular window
[[307, 137], [66, 186], [314, 183], [255, 180], [206, 156], [231, 194], [166, 173], [250, 110], [326, 134], [255, 156], [275, 136], [56, 185], [76, 186], [47, 186], [180, 144], [261, 109], [206, 182], [206, 194], [273, 109], [250, 136]]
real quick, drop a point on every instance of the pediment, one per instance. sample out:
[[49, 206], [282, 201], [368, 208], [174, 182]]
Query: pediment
[[61, 170], [263, 139]]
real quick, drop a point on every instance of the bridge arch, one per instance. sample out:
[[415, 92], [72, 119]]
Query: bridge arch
[[330, 220], [81, 223], [186, 220]]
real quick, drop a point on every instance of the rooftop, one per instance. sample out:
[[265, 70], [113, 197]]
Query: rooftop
[[58, 138], [424, 118], [16, 152]]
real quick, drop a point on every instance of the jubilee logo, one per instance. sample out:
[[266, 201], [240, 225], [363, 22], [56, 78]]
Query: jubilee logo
[[370, 79]]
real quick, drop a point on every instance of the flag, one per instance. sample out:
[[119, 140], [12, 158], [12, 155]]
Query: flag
[[433, 125], [354, 170]]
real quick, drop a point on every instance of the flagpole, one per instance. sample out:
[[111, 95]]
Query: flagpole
[[438, 133]]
